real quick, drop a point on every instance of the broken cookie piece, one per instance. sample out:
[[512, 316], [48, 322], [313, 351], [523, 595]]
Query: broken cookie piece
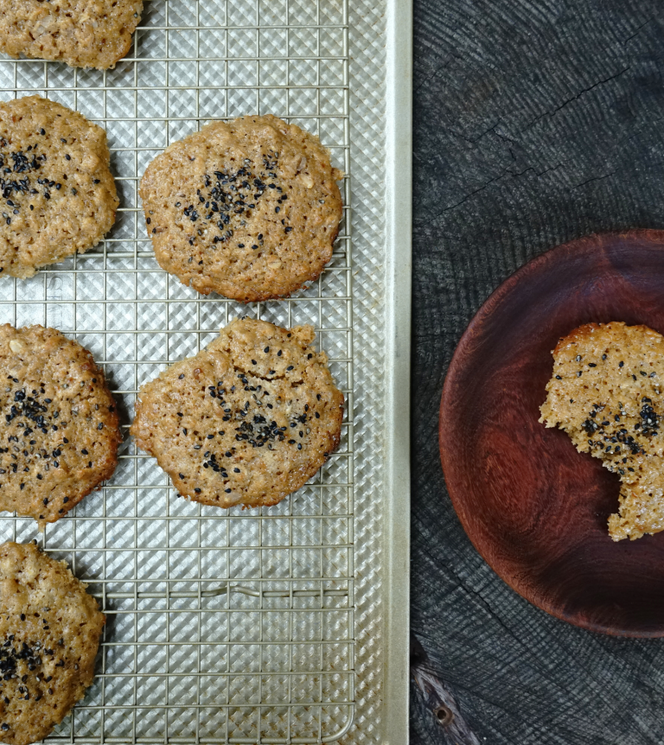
[[607, 393]]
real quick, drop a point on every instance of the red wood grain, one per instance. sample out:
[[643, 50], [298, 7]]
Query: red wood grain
[[534, 508]]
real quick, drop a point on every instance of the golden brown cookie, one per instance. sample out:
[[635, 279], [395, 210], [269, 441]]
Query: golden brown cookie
[[607, 393], [248, 420], [49, 636], [57, 195], [82, 33], [59, 430], [249, 209]]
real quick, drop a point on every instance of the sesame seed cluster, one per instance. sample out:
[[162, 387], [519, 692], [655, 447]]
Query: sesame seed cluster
[[607, 393], [82, 34]]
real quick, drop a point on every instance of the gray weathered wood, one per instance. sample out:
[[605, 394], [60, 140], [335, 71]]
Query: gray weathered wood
[[535, 122]]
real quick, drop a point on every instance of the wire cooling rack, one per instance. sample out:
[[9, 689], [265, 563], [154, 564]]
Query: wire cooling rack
[[222, 626]]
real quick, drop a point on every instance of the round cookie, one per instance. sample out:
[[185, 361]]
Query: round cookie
[[59, 430], [57, 195], [82, 33], [49, 636], [248, 420], [249, 209]]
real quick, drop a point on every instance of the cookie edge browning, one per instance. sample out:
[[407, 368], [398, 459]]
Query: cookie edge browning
[[114, 424], [201, 283], [99, 148], [137, 427], [586, 330]]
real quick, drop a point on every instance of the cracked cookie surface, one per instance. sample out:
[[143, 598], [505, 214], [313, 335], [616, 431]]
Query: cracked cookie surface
[[607, 394], [81, 33], [49, 636], [248, 420], [57, 194], [249, 209], [59, 430]]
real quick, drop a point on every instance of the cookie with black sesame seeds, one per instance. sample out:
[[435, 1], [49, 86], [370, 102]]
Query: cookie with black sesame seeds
[[248, 420], [57, 194], [81, 33], [49, 635], [607, 394], [59, 429], [249, 208]]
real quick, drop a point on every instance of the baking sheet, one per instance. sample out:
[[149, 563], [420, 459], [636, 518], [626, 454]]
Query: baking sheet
[[287, 624]]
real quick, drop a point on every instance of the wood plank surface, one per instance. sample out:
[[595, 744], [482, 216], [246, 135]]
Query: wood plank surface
[[535, 122]]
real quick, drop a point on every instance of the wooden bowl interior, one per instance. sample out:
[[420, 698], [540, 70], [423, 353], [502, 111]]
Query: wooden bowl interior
[[535, 508]]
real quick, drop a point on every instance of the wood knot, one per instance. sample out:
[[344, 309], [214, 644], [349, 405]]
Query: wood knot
[[444, 715]]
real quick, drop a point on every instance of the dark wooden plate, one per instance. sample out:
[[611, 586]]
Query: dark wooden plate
[[534, 508]]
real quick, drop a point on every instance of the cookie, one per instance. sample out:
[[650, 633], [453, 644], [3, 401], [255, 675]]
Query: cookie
[[248, 420], [607, 393], [59, 430], [249, 209], [57, 195], [49, 636], [89, 33]]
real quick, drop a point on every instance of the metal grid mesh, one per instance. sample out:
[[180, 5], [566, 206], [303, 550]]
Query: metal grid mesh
[[222, 626]]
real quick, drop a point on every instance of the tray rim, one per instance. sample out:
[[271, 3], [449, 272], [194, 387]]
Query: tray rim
[[398, 273]]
